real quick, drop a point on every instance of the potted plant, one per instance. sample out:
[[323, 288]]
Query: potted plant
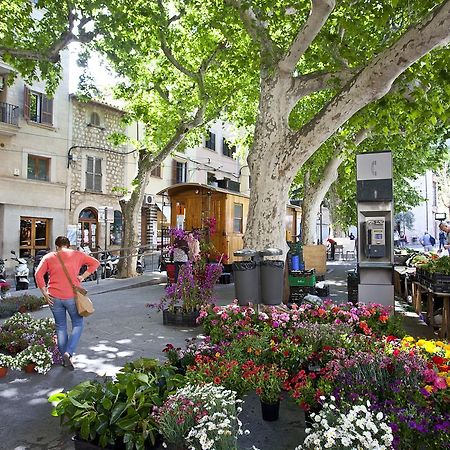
[[36, 358], [347, 427], [6, 362], [267, 379], [193, 289], [200, 416], [117, 412]]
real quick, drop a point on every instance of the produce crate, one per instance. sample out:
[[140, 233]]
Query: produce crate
[[302, 278], [440, 283]]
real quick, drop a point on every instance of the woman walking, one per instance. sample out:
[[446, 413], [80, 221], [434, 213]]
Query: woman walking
[[59, 293]]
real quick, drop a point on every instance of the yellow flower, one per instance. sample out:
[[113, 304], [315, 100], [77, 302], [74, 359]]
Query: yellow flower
[[439, 343], [272, 342], [421, 342], [217, 355], [448, 381], [430, 347], [429, 388], [249, 350], [409, 339]]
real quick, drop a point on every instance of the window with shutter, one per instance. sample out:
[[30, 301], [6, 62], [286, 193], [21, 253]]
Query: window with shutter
[[90, 174], [94, 174], [156, 172], [228, 150], [26, 103], [37, 107], [98, 175], [38, 168], [181, 171], [211, 141]]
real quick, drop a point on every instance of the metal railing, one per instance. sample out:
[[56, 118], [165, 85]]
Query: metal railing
[[9, 114]]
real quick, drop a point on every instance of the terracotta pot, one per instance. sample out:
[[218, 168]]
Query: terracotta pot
[[3, 371], [30, 368]]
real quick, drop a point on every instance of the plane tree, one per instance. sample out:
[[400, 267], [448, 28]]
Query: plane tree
[[412, 122], [352, 52], [177, 72]]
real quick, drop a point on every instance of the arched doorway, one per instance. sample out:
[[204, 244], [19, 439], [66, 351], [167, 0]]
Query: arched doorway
[[88, 225]]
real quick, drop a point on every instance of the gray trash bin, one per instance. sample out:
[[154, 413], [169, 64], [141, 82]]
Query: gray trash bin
[[272, 282], [246, 278]]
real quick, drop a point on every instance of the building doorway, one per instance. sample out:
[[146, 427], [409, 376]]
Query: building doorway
[[34, 235], [88, 225]]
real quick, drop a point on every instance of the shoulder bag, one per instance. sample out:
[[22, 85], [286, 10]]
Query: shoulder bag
[[84, 305]]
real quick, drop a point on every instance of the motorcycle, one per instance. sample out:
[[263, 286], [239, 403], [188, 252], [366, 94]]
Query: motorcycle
[[108, 264], [21, 272], [140, 263], [4, 285]]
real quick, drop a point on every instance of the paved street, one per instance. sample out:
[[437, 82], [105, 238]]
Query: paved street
[[122, 329]]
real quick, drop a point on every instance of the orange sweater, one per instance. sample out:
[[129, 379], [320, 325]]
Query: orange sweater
[[58, 284]]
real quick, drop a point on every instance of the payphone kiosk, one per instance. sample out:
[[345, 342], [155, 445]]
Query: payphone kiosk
[[375, 227], [375, 237]]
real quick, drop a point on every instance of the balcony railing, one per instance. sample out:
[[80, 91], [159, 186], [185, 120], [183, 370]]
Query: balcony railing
[[9, 114]]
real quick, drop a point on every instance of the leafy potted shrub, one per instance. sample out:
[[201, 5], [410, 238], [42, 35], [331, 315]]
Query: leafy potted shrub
[[117, 412], [200, 416]]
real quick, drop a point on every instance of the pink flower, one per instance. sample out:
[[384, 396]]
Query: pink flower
[[440, 383]]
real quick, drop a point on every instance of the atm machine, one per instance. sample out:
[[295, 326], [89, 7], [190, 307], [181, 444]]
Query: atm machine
[[375, 228]]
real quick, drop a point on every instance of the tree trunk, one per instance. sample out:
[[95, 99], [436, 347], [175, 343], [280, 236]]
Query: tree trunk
[[334, 199], [130, 213], [131, 210]]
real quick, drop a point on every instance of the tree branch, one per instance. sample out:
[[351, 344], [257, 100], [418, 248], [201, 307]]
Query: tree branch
[[168, 51], [255, 27], [52, 54], [320, 11], [317, 81], [374, 81]]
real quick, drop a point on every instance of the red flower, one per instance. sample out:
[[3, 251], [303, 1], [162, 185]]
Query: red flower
[[438, 360]]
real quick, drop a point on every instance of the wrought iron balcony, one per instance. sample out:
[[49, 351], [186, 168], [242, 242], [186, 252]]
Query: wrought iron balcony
[[9, 114]]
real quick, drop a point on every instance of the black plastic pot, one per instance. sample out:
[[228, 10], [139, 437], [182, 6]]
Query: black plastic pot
[[180, 318], [270, 412]]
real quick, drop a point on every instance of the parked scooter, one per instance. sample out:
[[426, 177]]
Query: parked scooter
[[21, 272], [4, 285], [2, 269], [37, 259], [140, 264], [108, 264]]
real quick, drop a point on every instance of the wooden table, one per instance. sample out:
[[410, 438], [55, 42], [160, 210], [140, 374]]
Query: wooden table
[[406, 272], [418, 289]]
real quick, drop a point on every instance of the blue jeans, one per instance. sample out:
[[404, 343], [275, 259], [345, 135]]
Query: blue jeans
[[67, 343]]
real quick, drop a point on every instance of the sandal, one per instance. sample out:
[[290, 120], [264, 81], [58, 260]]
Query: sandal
[[67, 361]]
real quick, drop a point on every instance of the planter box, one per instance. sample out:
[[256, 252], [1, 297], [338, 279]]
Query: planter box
[[180, 318]]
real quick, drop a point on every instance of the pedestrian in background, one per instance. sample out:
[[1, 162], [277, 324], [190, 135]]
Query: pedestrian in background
[[442, 239], [425, 240], [59, 292]]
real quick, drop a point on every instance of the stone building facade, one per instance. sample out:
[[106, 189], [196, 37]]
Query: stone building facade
[[98, 173]]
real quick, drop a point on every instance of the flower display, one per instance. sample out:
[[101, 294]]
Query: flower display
[[35, 354], [348, 427], [21, 332], [204, 416], [267, 380], [6, 361]]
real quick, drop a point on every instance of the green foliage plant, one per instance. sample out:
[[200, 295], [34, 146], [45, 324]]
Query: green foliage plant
[[118, 410]]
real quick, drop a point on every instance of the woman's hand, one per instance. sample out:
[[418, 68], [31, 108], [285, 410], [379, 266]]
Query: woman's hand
[[48, 298], [81, 277]]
